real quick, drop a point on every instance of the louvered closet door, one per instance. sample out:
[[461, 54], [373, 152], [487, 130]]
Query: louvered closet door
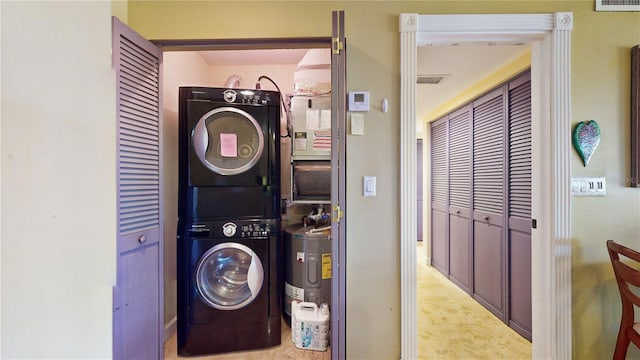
[[138, 295], [439, 196], [460, 176], [488, 201], [519, 231]]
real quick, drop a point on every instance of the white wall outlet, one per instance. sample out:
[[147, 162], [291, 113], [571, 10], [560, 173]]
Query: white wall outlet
[[588, 186]]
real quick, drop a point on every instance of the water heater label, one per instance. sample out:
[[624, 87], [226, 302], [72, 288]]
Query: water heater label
[[326, 266]]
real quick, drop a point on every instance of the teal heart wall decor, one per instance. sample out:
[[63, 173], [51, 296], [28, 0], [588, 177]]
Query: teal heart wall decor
[[586, 137]]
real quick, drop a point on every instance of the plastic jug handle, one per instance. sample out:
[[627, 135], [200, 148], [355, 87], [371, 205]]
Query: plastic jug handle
[[309, 306]]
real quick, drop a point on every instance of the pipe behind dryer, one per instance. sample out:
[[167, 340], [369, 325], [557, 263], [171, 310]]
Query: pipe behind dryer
[[233, 82]]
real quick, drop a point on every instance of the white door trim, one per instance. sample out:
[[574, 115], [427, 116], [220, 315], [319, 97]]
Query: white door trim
[[550, 38]]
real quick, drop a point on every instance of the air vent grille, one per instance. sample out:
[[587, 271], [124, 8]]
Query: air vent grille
[[617, 5], [430, 79]]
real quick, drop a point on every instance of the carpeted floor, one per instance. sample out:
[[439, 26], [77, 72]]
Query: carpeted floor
[[451, 326]]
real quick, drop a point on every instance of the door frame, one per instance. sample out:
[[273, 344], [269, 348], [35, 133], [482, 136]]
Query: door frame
[[550, 37], [338, 301]]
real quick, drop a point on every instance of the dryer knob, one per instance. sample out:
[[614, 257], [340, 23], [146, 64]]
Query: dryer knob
[[229, 229]]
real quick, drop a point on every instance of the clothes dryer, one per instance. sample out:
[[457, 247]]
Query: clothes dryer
[[229, 286], [229, 153]]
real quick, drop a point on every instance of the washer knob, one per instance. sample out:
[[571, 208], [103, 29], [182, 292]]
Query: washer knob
[[229, 229]]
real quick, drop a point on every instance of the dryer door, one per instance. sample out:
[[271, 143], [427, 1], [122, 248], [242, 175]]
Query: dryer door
[[229, 276], [228, 140]]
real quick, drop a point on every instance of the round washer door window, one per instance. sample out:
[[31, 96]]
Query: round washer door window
[[229, 276], [228, 141]]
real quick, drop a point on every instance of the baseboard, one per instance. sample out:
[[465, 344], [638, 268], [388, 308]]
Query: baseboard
[[170, 328], [428, 260]]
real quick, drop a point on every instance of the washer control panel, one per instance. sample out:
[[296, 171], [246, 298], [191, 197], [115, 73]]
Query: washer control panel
[[233, 229], [255, 230]]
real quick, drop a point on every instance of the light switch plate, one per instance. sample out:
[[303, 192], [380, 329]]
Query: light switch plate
[[588, 186], [369, 186]]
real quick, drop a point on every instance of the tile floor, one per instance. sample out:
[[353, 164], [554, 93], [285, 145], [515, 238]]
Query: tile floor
[[286, 350], [451, 326]]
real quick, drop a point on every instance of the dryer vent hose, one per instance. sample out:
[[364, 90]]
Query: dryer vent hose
[[232, 82]]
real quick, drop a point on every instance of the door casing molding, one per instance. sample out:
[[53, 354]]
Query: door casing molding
[[550, 39]]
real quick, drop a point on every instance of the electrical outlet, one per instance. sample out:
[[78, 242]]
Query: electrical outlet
[[588, 186]]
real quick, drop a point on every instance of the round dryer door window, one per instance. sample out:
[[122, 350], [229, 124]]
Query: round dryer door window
[[229, 276], [228, 141]]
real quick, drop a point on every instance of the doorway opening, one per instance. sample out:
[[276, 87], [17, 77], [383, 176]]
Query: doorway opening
[[221, 61], [447, 107], [549, 35]]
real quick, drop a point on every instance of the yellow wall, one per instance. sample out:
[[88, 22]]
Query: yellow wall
[[58, 246], [600, 90]]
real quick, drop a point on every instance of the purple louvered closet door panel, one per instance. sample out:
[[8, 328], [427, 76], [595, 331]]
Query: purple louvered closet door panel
[[138, 297], [520, 205], [460, 177], [439, 196], [488, 201]]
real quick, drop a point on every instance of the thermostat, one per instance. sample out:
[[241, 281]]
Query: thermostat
[[358, 101]]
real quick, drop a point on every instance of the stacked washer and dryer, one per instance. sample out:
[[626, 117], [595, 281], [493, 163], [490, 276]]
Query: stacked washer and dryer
[[229, 231]]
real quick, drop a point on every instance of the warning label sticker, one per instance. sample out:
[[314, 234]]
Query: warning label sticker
[[326, 266]]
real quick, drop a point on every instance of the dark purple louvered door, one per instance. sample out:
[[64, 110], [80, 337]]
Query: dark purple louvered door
[[481, 200], [138, 295], [519, 230], [488, 201], [439, 196], [460, 177]]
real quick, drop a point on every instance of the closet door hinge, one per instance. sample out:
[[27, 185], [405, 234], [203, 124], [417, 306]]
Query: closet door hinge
[[338, 214], [337, 46]]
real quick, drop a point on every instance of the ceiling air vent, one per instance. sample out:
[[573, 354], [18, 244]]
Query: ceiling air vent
[[430, 79], [617, 5]]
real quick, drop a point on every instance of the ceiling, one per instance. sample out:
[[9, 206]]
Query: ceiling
[[461, 64], [253, 57]]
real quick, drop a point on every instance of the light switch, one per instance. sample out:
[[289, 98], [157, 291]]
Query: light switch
[[589, 186], [369, 186]]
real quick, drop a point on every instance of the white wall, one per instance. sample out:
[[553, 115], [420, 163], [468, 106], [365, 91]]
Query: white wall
[[58, 180], [179, 69]]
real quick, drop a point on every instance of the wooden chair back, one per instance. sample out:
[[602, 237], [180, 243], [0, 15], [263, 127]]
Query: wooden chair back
[[627, 272]]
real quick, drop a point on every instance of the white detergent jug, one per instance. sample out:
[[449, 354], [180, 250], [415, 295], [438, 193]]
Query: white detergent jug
[[310, 325]]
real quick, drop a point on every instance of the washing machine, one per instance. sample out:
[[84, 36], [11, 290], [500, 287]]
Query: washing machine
[[229, 286], [229, 153]]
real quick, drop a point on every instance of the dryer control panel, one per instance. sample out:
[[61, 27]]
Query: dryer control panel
[[234, 96]]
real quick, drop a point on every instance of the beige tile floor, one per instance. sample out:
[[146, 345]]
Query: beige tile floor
[[451, 326], [286, 350]]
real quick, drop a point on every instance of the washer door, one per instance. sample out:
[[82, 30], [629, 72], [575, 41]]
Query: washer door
[[228, 141], [229, 276]]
